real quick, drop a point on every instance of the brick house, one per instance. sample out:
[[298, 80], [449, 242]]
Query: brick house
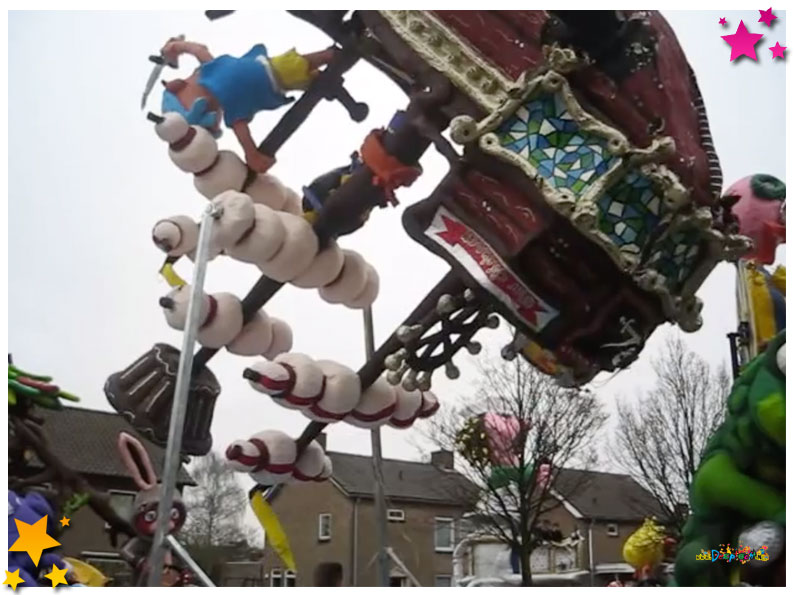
[[334, 521], [602, 509], [233, 565], [85, 440]]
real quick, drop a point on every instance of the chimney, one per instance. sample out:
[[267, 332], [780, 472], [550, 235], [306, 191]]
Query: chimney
[[443, 459], [321, 440]]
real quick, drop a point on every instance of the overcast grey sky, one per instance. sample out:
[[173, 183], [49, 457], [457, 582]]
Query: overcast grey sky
[[88, 178]]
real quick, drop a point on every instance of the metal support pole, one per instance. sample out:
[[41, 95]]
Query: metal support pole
[[590, 549], [377, 468], [733, 340], [745, 342], [390, 553], [180, 551], [176, 427]]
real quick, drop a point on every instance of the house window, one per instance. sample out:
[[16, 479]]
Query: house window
[[539, 559], [112, 566], [324, 527], [275, 577], [396, 581], [612, 530], [564, 559], [289, 578], [443, 580], [444, 534], [395, 515], [121, 502]]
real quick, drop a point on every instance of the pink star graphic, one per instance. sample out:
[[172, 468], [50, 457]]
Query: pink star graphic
[[766, 17], [743, 42], [777, 51], [723, 22]]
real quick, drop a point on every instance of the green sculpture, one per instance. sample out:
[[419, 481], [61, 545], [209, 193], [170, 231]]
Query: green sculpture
[[25, 388], [738, 491]]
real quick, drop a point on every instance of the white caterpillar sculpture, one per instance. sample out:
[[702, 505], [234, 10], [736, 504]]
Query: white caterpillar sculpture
[[264, 226], [269, 457], [282, 245], [221, 324], [195, 151], [329, 392]]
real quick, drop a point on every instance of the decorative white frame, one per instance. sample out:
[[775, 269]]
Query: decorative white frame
[[451, 521], [581, 210], [399, 518], [445, 51], [320, 517], [120, 493]]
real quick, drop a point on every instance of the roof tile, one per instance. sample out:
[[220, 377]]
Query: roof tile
[[85, 440], [607, 496], [403, 480]]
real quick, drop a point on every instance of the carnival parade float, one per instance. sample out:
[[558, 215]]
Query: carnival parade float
[[583, 204]]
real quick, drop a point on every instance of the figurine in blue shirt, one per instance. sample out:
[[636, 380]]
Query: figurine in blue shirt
[[235, 89]]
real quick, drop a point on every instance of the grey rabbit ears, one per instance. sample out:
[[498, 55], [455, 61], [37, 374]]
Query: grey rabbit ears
[[136, 459]]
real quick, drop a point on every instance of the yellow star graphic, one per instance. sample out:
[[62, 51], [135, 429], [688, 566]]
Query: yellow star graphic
[[13, 579], [57, 576], [64, 522], [33, 539]]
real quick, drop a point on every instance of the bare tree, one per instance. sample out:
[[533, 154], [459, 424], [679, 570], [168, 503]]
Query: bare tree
[[214, 529], [215, 506], [660, 438], [557, 429]]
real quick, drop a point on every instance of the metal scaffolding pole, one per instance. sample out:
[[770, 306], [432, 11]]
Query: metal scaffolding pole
[[179, 407], [744, 342], [384, 562], [401, 565], [183, 554]]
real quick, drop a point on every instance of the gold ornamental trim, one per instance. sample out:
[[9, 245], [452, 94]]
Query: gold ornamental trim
[[451, 55]]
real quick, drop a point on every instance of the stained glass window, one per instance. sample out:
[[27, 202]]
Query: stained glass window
[[629, 211], [545, 134]]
